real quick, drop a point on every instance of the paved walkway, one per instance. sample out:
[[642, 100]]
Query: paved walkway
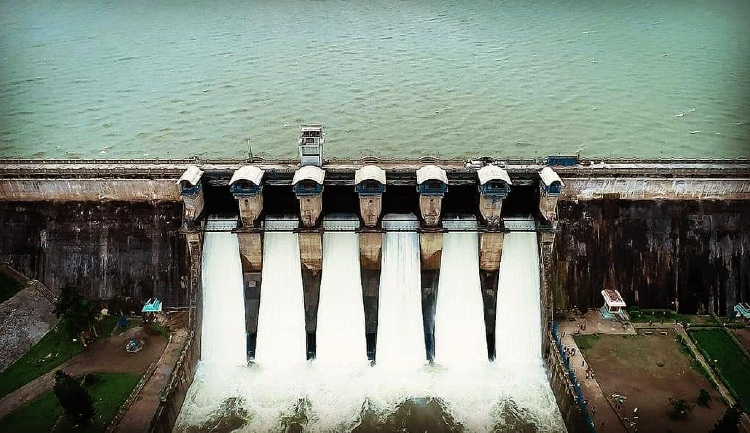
[[139, 414]]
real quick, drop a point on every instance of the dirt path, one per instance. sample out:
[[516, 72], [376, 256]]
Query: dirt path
[[743, 336], [107, 356], [138, 416]]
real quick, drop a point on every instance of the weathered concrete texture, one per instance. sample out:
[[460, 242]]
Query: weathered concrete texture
[[370, 256], [252, 282], [311, 250], [548, 206], [311, 259], [24, 319], [430, 250], [562, 388], [370, 249], [251, 250], [310, 209], [33, 190], [193, 206], [642, 188], [370, 207], [430, 279], [430, 207], [491, 209], [173, 394], [104, 249], [250, 209], [693, 253], [490, 250], [488, 282]]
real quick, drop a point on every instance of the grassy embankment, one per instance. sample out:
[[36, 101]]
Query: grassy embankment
[[728, 360], [627, 344], [52, 350], [108, 390], [8, 287], [638, 315]]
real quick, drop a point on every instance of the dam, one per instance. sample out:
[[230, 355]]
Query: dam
[[327, 294]]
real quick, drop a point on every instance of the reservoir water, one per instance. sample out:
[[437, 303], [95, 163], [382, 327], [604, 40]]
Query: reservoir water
[[84, 79]]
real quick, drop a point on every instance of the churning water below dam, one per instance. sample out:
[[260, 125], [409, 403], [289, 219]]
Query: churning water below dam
[[341, 391], [83, 79]]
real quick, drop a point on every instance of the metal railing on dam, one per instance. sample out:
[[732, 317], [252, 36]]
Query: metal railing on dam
[[341, 171]]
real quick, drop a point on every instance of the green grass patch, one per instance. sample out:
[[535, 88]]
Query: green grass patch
[[38, 416], [638, 315], [52, 350], [728, 360], [156, 329], [106, 326], [108, 391], [586, 342], [8, 287], [132, 323], [735, 325], [694, 364]]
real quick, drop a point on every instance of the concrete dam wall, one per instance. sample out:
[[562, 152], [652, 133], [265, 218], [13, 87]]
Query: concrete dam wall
[[103, 248], [689, 255], [658, 232]]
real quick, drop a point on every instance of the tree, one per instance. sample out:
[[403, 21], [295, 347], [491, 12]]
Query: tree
[[680, 408], [704, 398], [73, 398], [117, 305], [728, 422], [76, 312]]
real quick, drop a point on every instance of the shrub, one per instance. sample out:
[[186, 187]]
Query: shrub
[[728, 422], [117, 305], [704, 398], [77, 313], [679, 408], [74, 399]]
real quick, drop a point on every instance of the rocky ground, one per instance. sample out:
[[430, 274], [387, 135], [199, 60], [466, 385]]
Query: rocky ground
[[24, 319]]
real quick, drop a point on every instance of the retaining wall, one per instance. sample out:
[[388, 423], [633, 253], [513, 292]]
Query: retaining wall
[[693, 255], [103, 248]]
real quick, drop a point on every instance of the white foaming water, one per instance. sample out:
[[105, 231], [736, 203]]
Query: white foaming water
[[400, 339], [518, 324], [479, 397], [223, 332], [459, 312], [340, 334], [281, 318]]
